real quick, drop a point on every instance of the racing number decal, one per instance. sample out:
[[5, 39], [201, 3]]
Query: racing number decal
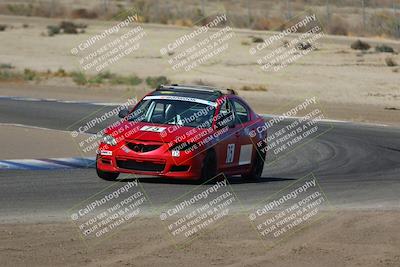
[[230, 153]]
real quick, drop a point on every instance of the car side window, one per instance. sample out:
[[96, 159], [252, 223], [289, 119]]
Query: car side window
[[242, 112], [226, 115]]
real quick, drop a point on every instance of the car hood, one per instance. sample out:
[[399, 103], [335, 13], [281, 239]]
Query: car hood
[[164, 133]]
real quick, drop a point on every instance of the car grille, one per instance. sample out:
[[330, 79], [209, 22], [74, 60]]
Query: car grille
[[139, 147], [131, 164]]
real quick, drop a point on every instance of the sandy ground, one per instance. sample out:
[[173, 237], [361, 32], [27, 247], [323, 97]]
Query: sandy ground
[[33, 143], [349, 84], [358, 238]]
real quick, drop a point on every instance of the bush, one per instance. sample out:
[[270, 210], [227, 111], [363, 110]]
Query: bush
[[60, 73], [20, 9], [84, 13], [79, 78], [156, 81], [3, 27], [303, 46], [360, 45], [29, 75], [130, 80], [53, 30], [338, 26], [69, 27], [6, 66], [390, 62], [384, 49], [256, 39], [6, 75], [385, 23], [256, 88], [273, 23]]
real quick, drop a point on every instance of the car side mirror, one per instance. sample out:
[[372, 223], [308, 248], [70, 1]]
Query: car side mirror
[[123, 113]]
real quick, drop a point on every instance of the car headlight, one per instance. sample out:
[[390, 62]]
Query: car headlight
[[109, 140]]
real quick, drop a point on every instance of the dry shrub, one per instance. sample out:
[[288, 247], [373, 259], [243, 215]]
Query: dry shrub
[[83, 13], [269, 24], [390, 62], [384, 49], [303, 45], [360, 45], [256, 39], [338, 26], [183, 22], [260, 88], [384, 23]]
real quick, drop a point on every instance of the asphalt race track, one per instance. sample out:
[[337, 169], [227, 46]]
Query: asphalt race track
[[357, 166]]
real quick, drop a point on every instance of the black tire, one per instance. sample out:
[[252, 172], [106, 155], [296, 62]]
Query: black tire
[[108, 176], [257, 167], [209, 168]]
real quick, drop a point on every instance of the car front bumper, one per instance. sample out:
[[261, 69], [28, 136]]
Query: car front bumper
[[159, 162]]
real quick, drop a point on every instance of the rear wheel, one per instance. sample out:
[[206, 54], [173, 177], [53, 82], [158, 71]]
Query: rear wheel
[[109, 176], [209, 168], [257, 167]]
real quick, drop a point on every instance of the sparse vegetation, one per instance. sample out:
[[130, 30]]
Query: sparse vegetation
[[260, 88], [156, 81], [53, 30], [84, 13], [66, 27], [20, 9], [390, 62], [30, 75], [256, 39], [79, 77], [128, 80], [338, 26], [303, 46], [7, 75], [72, 28], [344, 18], [384, 49], [6, 66], [360, 45]]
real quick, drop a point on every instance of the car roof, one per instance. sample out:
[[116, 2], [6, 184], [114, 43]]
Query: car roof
[[196, 91]]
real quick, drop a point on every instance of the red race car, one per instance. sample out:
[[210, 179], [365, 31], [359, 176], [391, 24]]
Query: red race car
[[185, 132]]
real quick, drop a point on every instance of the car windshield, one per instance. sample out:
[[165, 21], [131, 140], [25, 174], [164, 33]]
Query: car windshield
[[174, 112]]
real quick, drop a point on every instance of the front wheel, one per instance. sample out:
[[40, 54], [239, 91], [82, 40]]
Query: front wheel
[[256, 168], [108, 176]]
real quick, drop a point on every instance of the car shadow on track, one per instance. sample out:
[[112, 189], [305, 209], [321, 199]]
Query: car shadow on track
[[231, 180]]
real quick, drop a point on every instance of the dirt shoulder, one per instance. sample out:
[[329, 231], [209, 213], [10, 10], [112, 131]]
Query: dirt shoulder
[[24, 142], [351, 238]]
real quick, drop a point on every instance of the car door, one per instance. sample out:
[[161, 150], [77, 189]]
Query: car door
[[245, 147], [226, 147]]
